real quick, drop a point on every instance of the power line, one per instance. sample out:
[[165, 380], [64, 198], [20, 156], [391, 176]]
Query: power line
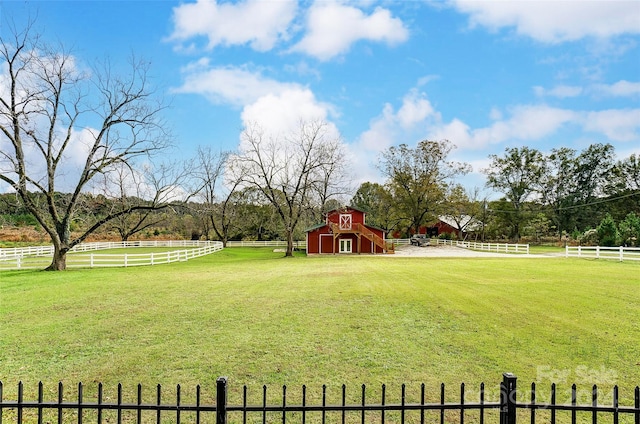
[[597, 202], [582, 205]]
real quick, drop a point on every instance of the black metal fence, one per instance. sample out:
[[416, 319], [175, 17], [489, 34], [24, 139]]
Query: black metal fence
[[506, 410]]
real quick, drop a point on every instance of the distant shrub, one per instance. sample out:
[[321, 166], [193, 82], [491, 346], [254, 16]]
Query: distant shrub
[[447, 236], [24, 220], [588, 238]]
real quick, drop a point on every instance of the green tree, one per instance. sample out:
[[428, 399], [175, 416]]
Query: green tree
[[607, 232], [624, 187], [463, 208], [377, 202], [517, 175], [418, 179], [629, 230], [592, 173], [538, 226], [557, 186]]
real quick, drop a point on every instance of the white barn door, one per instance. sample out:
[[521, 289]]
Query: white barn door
[[345, 222]]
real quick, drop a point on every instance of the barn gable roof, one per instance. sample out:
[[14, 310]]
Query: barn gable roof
[[315, 227]]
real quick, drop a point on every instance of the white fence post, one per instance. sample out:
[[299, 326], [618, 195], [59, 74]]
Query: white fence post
[[621, 254]]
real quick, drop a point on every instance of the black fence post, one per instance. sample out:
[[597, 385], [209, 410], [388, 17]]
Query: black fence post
[[508, 399], [221, 400]]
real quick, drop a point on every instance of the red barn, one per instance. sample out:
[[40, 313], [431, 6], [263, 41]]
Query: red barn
[[345, 231]]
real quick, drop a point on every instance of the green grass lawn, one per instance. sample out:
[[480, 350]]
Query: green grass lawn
[[542, 249], [258, 318]]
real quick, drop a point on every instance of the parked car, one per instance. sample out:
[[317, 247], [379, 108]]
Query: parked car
[[419, 240]]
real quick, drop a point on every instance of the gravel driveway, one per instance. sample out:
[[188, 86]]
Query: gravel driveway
[[452, 251]]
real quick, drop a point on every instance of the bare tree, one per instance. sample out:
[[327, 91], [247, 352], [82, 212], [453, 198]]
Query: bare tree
[[60, 128], [295, 173], [154, 186], [219, 199]]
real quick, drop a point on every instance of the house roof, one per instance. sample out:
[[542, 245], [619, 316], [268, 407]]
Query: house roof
[[315, 227], [355, 208], [468, 223]]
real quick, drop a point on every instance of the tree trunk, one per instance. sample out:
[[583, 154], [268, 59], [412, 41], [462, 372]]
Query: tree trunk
[[59, 262], [289, 243]]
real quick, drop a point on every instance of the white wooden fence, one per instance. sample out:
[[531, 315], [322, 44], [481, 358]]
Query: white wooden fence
[[265, 243], [488, 247], [40, 256], [601, 252], [495, 247]]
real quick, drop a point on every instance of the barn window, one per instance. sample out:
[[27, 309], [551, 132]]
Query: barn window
[[345, 221]]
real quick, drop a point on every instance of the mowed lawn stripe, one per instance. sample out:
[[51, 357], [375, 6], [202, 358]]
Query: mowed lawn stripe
[[258, 318]]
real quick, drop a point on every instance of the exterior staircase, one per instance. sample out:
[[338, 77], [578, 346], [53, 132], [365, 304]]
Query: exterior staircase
[[360, 230]]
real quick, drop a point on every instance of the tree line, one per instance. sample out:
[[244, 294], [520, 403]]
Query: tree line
[[560, 195], [86, 151]]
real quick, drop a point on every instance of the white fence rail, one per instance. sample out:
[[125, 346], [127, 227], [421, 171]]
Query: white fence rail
[[40, 256], [265, 243], [399, 242], [600, 252], [495, 247], [488, 247]]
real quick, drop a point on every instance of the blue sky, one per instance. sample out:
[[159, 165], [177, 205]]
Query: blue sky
[[484, 75]]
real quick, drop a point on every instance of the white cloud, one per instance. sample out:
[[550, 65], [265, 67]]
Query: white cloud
[[617, 125], [455, 131], [619, 89], [281, 113], [560, 91], [555, 21], [495, 114], [333, 27], [276, 106], [417, 119], [391, 127], [381, 132], [415, 109], [237, 86], [535, 122], [261, 24], [525, 123]]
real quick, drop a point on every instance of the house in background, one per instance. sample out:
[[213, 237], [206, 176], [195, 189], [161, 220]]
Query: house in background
[[345, 231], [447, 225]]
